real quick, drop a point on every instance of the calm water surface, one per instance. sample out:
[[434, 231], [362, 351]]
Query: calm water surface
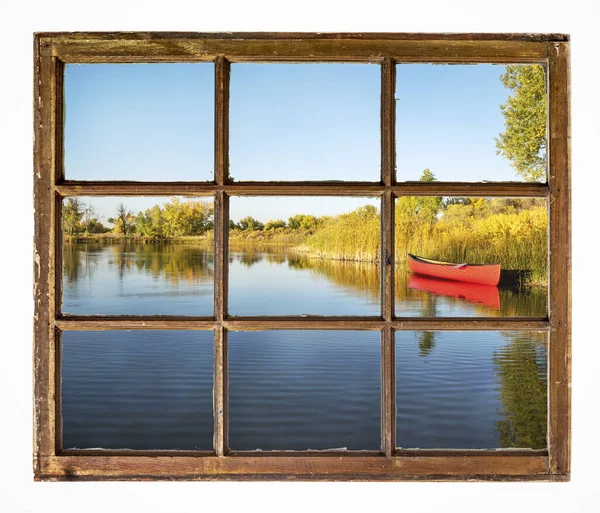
[[289, 389]]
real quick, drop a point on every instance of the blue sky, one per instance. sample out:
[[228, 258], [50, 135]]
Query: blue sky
[[288, 121]]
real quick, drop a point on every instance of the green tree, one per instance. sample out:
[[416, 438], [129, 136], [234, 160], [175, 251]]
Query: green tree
[[309, 223], [124, 222], [273, 225], [420, 208], [294, 222], [72, 215], [186, 218], [89, 217], [250, 224], [524, 140]]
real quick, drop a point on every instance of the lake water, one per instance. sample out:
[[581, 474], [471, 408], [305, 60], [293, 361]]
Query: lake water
[[290, 389]]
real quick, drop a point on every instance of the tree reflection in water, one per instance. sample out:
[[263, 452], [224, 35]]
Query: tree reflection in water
[[520, 365], [176, 263]]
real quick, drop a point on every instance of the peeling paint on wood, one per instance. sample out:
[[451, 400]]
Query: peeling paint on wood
[[52, 50]]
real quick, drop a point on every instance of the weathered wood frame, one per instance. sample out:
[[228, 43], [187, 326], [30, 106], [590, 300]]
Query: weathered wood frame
[[53, 50]]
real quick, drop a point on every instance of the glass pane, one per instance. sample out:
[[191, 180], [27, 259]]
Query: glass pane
[[137, 390], [471, 390], [305, 122], [143, 122], [136, 256], [471, 122], [471, 256], [304, 256], [301, 390]]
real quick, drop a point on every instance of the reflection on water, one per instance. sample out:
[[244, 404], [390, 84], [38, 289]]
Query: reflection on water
[[270, 280], [304, 390], [471, 390], [421, 296], [454, 390], [471, 292], [137, 279], [177, 279], [137, 389]]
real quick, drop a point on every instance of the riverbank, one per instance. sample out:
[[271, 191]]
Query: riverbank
[[116, 238]]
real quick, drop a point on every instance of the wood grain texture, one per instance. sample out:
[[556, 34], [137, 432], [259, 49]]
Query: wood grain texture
[[128, 48], [45, 97], [273, 467], [125, 188], [221, 264], [327, 188], [388, 121], [559, 431], [94, 323], [52, 50], [222, 79], [99, 322], [388, 392], [402, 36], [220, 389]]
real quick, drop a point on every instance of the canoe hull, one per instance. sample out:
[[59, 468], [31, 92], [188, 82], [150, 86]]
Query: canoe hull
[[469, 273]]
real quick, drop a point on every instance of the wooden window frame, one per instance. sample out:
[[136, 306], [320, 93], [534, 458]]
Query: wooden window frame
[[53, 50]]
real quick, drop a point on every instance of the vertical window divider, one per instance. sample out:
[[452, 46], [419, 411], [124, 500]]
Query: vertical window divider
[[221, 231], [388, 157]]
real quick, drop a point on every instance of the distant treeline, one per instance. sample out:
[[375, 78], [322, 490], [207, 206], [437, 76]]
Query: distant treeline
[[175, 218], [476, 230]]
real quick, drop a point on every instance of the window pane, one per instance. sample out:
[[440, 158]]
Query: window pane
[[455, 119], [136, 256], [509, 236], [137, 390], [304, 255], [144, 122], [305, 122], [471, 390], [302, 390]]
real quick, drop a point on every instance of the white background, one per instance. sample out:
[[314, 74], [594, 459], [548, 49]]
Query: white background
[[18, 21]]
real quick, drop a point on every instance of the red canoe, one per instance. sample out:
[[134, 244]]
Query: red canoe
[[485, 274], [472, 292]]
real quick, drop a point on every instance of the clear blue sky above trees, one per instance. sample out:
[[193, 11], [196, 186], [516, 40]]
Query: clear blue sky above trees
[[298, 121]]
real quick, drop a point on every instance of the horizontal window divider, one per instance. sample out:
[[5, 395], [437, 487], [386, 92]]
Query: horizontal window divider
[[131, 48], [303, 323], [520, 189], [302, 467], [350, 323], [92, 323], [326, 188], [471, 323], [122, 188]]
